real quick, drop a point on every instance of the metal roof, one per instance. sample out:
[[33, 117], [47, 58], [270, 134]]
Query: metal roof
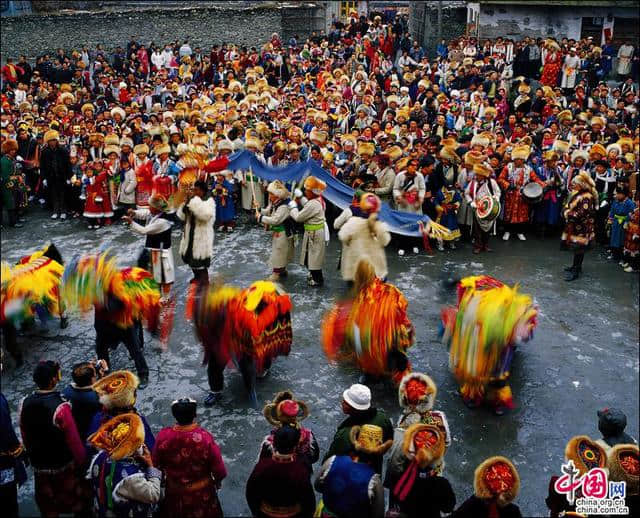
[[573, 3]]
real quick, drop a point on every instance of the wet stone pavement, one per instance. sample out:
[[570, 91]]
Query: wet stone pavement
[[583, 357]]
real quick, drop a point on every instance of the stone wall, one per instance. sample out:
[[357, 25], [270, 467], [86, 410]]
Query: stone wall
[[423, 22], [35, 35]]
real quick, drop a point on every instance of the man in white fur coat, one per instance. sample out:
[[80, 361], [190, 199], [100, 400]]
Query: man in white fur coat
[[364, 238], [196, 246]]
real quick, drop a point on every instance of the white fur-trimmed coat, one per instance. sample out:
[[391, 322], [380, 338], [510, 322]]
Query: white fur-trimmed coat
[[201, 215], [358, 242]]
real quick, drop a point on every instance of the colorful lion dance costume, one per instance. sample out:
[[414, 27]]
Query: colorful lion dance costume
[[129, 294], [371, 330], [248, 327], [31, 288], [482, 333]]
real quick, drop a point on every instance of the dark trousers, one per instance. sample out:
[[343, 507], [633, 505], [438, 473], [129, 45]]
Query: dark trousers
[[215, 373], [109, 336], [57, 190], [317, 276], [9, 338], [200, 276], [12, 214], [9, 500], [480, 237]]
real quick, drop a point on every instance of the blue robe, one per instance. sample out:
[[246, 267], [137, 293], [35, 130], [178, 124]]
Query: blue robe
[[619, 213], [225, 209], [450, 219], [548, 210]]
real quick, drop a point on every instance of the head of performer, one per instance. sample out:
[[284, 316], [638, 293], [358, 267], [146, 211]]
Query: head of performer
[[496, 481], [313, 187], [277, 192], [184, 410], [482, 172], [424, 443], [10, 148], [84, 374], [412, 167], [622, 193], [51, 138], [47, 374], [118, 390], [356, 399], [200, 189], [285, 410], [158, 204], [417, 392], [368, 444], [121, 437], [285, 440]]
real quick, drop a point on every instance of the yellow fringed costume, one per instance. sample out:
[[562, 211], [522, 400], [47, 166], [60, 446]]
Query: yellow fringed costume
[[31, 287], [482, 333]]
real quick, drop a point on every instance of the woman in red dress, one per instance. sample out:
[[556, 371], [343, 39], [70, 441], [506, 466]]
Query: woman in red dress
[[192, 463], [97, 207], [552, 64]]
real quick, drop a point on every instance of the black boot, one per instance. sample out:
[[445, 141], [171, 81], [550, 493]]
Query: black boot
[[573, 274], [569, 268]]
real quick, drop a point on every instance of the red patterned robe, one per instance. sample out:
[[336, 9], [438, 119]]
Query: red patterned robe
[[579, 213], [511, 180], [193, 467]]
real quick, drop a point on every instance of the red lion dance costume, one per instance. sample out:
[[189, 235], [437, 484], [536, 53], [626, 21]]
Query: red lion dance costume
[[248, 327], [371, 330], [482, 332]]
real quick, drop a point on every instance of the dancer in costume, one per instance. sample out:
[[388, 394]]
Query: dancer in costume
[[276, 216], [196, 245], [372, 329], [30, 288], [144, 175], [364, 238], [249, 327], [284, 410], [496, 484], [157, 229], [310, 211], [483, 196], [123, 299], [482, 332], [124, 480]]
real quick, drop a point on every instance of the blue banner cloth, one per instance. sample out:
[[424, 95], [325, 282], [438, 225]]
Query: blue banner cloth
[[400, 222]]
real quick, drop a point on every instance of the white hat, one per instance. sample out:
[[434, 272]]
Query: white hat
[[358, 396]]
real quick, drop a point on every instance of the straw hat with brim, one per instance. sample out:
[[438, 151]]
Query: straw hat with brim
[[449, 153], [394, 152], [111, 140], [473, 157], [358, 396], [277, 188], [368, 439], [117, 390], [521, 152], [480, 140], [120, 437], [482, 169], [284, 409]]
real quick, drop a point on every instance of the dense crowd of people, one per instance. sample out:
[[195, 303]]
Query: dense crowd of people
[[533, 136]]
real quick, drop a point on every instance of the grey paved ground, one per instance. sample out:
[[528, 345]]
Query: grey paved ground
[[584, 355]]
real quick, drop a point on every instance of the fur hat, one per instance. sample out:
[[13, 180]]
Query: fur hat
[[625, 141], [118, 111], [225, 145], [368, 439], [141, 148], [549, 156], [584, 182], [585, 453], [253, 143], [117, 390], [126, 141], [622, 461], [284, 409], [366, 148], [87, 107], [318, 136], [497, 478], [432, 449], [120, 436], [394, 152], [111, 149], [480, 140], [614, 147], [482, 169], [162, 148], [579, 153], [159, 202], [315, 185], [67, 96], [561, 146], [9, 145], [597, 149], [417, 390], [473, 157], [111, 140], [565, 115], [524, 88], [521, 152], [51, 135], [449, 154], [598, 120], [277, 188], [490, 111]]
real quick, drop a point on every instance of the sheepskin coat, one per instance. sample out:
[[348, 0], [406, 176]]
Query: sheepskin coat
[[282, 248], [313, 243], [196, 246], [360, 242]]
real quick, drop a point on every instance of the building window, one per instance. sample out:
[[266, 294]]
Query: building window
[[625, 30], [346, 8]]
